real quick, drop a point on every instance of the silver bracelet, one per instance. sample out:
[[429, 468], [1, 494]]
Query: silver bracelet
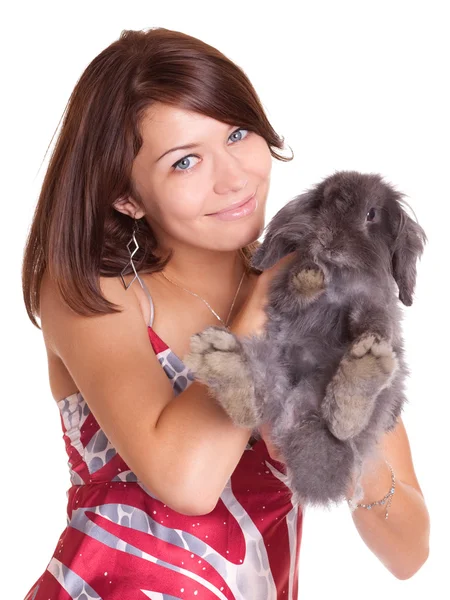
[[387, 498]]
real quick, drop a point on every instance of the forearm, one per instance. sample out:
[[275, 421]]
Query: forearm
[[199, 447], [198, 444], [400, 542]]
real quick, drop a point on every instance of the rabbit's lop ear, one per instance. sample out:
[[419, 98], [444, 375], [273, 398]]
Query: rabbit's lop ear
[[408, 247], [282, 234], [273, 248]]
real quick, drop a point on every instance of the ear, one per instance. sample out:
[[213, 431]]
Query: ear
[[283, 234], [273, 248], [127, 205], [409, 246]]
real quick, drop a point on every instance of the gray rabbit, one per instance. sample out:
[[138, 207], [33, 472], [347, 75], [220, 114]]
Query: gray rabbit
[[328, 373]]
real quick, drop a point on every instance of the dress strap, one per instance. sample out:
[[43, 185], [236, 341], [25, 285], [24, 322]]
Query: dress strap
[[152, 307]]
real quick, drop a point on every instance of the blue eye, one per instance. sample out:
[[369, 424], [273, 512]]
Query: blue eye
[[238, 135], [184, 163]]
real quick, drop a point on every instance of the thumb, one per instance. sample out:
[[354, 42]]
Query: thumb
[[267, 275], [281, 263]]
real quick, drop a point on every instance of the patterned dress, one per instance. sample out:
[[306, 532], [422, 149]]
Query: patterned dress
[[122, 543]]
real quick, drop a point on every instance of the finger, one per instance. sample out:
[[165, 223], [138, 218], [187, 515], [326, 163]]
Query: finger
[[281, 263]]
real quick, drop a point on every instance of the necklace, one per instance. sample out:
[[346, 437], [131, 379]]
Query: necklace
[[203, 300]]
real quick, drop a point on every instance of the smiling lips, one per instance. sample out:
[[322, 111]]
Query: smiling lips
[[233, 206], [237, 211]]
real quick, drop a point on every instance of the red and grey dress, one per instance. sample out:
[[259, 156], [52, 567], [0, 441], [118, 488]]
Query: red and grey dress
[[122, 543]]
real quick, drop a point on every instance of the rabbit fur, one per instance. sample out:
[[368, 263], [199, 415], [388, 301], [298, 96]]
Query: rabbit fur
[[328, 372]]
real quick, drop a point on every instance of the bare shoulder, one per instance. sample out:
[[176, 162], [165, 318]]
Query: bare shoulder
[[56, 314], [61, 324]]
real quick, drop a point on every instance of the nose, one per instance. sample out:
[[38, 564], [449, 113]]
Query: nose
[[229, 174]]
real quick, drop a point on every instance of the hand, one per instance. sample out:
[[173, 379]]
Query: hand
[[252, 317], [274, 452]]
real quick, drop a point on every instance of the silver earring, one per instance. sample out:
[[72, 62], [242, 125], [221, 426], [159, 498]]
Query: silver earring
[[131, 253]]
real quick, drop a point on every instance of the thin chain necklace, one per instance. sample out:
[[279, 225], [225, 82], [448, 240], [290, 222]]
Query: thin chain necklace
[[203, 300]]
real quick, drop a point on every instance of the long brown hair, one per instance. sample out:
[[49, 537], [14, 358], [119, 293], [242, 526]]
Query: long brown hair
[[76, 233]]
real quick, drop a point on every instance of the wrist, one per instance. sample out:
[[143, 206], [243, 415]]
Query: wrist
[[377, 487], [251, 320]]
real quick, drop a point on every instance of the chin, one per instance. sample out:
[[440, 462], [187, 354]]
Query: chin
[[251, 235]]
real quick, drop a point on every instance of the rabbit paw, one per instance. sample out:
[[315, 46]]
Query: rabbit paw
[[217, 359], [350, 397], [310, 283]]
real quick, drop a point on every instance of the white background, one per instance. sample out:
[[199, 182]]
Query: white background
[[351, 85]]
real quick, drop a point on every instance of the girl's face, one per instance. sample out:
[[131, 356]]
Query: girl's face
[[181, 187]]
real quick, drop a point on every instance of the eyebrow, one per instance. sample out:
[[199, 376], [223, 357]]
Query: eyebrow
[[185, 147]]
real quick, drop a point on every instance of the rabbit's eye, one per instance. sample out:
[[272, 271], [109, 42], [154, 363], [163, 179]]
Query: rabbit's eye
[[371, 214]]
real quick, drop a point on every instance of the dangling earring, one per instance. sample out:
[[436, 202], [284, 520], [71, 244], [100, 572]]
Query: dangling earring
[[131, 253]]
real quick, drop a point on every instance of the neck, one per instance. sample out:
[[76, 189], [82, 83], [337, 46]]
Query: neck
[[204, 270], [215, 276]]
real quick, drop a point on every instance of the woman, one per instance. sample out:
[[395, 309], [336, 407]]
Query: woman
[[149, 212]]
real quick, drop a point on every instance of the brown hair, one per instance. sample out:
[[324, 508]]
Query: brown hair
[[76, 233]]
